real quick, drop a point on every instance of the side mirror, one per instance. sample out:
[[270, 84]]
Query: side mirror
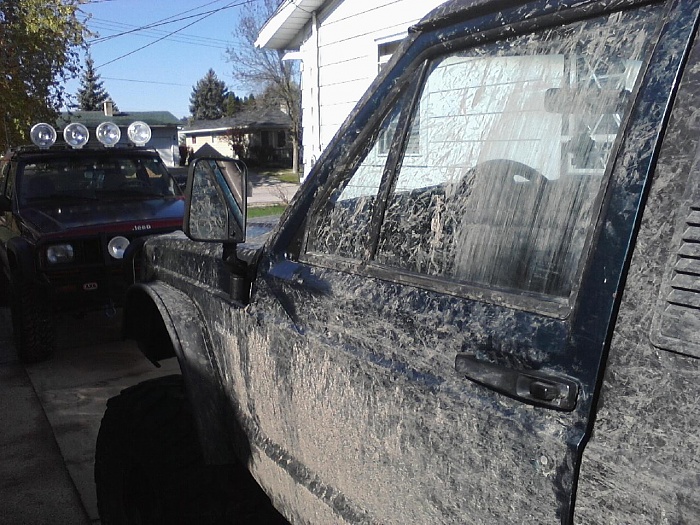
[[216, 207]]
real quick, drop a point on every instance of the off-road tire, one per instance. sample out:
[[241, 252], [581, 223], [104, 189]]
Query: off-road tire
[[32, 324], [149, 467]]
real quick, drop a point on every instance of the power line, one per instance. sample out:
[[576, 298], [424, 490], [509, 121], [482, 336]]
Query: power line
[[171, 19], [212, 43], [112, 25], [145, 81], [208, 14]]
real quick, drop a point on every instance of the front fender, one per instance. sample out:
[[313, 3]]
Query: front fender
[[166, 323], [20, 258]]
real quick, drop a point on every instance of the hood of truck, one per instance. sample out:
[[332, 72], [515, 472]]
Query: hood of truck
[[143, 214]]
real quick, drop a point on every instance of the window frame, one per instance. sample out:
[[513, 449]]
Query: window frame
[[347, 168], [551, 306], [4, 175], [8, 185]]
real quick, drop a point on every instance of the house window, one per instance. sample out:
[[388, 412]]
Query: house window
[[281, 139], [194, 140]]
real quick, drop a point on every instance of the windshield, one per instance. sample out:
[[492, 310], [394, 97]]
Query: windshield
[[86, 178]]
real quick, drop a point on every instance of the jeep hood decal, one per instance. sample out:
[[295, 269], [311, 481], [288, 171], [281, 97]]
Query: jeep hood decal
[[56, 219]]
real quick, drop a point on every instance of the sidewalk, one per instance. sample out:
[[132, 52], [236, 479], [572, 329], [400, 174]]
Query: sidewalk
[[269, 191], [35, 486]]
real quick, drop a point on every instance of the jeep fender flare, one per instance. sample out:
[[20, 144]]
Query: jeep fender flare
[[165, 322], [20, 258]]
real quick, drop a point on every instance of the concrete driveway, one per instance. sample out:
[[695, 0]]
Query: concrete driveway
[[50, 414]]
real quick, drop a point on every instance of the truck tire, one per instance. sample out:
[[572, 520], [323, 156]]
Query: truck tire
[[149, 467], [32, 324]]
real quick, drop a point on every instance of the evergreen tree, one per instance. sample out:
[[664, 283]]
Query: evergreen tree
[[208, 98], [249, 102], [233, 104], [92, 94]]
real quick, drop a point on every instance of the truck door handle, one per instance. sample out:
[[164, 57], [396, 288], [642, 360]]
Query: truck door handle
[[531, 386]]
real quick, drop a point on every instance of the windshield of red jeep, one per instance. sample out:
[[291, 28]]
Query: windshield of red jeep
[[85, 178]]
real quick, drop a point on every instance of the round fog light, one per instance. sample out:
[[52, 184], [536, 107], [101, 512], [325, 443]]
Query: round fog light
[[76, 135], [108, 133], [117, 246], [43, 135], [139, 133]]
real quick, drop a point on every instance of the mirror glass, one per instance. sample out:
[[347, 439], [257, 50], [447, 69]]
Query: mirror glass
[[216, 210]]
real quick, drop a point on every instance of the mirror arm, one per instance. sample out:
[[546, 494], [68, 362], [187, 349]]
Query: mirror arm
[[238, 268], [231, 259]]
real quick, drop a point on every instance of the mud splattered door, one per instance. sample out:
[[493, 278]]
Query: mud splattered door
[[433, 349]]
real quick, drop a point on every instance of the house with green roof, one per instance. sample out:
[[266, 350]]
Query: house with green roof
[[164, 128]]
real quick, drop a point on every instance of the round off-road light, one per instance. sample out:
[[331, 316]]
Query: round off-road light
[[139, 133], [108, 133], [76, 135], [117, 246], [43, 135]]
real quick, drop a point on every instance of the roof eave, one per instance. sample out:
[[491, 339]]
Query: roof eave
[[283, 27]]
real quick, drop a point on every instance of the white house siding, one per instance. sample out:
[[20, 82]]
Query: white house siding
[[164, 140], [220, 143], [348, 38]]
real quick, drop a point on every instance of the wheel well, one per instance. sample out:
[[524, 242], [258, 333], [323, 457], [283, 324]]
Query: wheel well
[[144, 323]]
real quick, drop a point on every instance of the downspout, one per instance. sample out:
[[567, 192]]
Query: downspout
[[316, 106]]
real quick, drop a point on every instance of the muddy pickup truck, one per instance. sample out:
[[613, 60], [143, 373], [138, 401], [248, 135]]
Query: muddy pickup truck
[[482, 306]]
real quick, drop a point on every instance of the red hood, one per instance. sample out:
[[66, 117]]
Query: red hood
[[145, 214]]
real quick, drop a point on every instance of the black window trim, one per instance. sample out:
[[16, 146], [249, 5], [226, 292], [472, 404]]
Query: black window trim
[[4, 175]]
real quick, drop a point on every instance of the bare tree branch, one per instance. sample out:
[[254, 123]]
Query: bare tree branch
[[263, 70]]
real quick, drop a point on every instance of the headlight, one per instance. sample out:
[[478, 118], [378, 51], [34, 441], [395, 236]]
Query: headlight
[[43, 135], [59, 253]]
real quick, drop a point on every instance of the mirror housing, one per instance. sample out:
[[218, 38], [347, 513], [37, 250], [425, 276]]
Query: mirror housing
[[216, 205]]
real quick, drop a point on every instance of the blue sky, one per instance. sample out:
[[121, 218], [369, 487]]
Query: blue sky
[[158, 75]]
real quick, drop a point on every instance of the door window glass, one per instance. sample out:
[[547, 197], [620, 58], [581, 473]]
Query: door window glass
[[342, 225], [514, 141]]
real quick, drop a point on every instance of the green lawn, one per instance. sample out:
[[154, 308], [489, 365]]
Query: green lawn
[[264, 211], [284, 175]]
